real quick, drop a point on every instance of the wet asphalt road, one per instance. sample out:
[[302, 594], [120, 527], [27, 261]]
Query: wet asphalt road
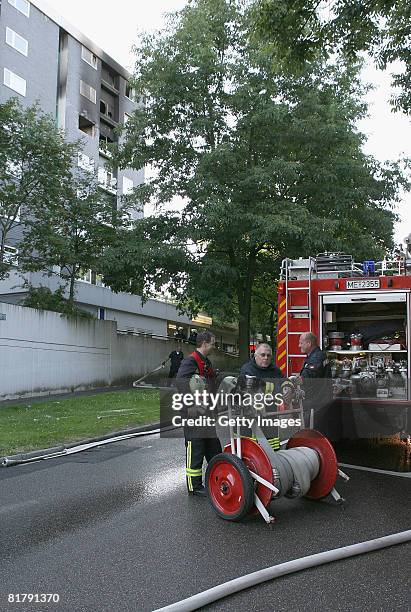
[[113, 529]]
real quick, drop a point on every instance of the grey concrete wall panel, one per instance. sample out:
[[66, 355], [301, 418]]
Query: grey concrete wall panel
[[40, 67], [127, 303], [129, 321], [134, 356], [138, 322], [42, 353], [14, 236]]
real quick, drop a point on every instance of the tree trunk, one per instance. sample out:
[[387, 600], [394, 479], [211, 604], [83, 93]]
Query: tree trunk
[[71, 291], [244, 308], [243, 332], [2, 245], [4, 270]]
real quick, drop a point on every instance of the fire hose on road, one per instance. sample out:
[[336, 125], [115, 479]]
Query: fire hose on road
[[139, 382], [249, 580]]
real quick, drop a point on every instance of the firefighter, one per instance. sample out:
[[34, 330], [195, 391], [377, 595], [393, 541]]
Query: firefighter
[[261, 366], [176, 357], [316, 366], [201, 442]]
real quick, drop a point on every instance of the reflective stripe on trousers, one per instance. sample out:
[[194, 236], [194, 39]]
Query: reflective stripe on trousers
[[190, 472]]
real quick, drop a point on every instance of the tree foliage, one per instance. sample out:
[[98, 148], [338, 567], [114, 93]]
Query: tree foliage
[[34, 160], [70, 234], [268, 165], [43, 298], [297, 31]]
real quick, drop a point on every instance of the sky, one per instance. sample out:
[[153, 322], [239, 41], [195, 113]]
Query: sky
[[113, 25]]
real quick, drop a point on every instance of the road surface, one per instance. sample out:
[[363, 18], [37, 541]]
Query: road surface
[[113, 529]]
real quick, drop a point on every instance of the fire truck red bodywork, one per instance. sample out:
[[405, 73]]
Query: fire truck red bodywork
[[301, 308], [299, 299]]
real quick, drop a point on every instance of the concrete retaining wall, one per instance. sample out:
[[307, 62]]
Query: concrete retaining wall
[[43, 352]]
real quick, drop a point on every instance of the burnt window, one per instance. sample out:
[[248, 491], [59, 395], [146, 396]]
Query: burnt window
[[86, 126]]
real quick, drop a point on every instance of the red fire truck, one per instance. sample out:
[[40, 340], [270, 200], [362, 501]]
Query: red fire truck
[[360, 314]]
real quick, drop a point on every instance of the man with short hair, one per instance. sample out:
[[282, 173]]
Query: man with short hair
[[316, 363], [196, 369], [262, 367]]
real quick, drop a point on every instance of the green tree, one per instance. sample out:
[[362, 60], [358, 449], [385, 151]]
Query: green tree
[[34, 160], [70, 234], [298, 30], [267, 165], [43, 298], [264, 305]]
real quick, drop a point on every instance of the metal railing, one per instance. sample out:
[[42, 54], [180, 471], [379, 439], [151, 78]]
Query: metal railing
[[307, 268], [150, 334]]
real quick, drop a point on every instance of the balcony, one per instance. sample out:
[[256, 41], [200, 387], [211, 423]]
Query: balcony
[[109, 87], [109, 80], [110, 186], [10, 255], [108, 114], [102, 150], [107, 181]]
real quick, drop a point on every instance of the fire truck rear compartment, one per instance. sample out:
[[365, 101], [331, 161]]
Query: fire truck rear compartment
[[335, 298], [365, 336]]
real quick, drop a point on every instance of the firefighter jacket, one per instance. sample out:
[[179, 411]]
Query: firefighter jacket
[[271, 380], [316, 375], [252, 369], [316, 365], [197, 363], [272, 374]]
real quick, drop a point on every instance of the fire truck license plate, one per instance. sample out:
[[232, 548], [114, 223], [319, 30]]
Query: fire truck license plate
[[363, 284]]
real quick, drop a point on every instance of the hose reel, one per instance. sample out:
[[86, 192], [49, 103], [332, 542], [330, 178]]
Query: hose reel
[[306, 468], [249, 474]]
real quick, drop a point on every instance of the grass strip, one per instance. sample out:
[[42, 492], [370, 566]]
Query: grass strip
[[26, 427]]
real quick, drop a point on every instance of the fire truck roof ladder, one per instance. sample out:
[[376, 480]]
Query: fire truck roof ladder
[[302, 269]]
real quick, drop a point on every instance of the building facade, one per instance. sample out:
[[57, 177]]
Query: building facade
[[46, 60]]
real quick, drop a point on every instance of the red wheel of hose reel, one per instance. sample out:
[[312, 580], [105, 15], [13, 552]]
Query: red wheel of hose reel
[[327, 475], [257, 461], [230, 486]]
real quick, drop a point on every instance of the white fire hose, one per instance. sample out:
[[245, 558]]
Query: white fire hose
[[249, 580]]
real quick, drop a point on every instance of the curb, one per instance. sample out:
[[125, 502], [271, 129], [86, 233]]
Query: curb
[[10, 460]]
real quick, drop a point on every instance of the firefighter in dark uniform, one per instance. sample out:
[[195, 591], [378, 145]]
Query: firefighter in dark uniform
[[200, 442], [316, 375], [176, 357], [260, 365]]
